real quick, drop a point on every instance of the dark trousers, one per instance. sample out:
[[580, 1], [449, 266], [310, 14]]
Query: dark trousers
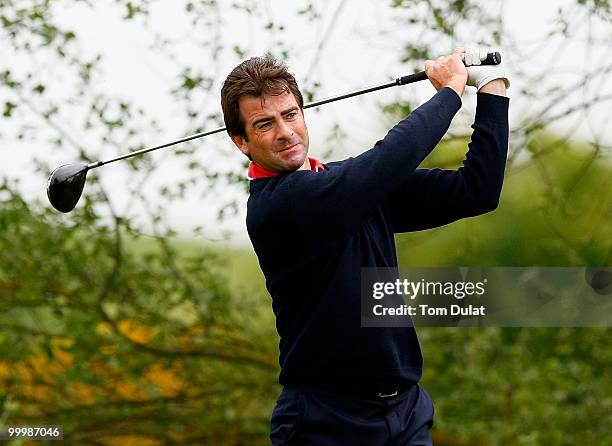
[[308, 416]]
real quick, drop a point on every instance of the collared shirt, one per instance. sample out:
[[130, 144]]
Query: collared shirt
[[256, 172]]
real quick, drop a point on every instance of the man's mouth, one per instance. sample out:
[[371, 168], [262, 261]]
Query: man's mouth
[[289, 147]]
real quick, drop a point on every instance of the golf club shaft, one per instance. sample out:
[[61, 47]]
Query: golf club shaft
[[399, 81], [492, 58], [416, 77]]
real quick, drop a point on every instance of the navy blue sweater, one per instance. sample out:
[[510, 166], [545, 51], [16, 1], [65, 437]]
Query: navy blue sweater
[[314, 231]]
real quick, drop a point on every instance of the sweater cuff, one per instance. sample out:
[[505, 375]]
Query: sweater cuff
[[450, 97], [492, 107]]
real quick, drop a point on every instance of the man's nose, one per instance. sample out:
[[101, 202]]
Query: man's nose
[[285, 131]]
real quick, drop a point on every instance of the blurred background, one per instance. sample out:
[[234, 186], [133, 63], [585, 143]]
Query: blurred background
[[141, 318]]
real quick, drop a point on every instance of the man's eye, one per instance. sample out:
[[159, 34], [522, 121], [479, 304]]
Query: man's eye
[[264, 125], [291, 115]]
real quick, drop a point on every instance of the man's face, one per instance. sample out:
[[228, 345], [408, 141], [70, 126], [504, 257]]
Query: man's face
[[276, 131]]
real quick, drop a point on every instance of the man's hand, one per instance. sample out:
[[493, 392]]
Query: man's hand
[[448, 71], [486, 78]]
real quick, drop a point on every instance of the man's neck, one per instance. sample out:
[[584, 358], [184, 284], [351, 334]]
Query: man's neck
[[256, 171], [306, 165]]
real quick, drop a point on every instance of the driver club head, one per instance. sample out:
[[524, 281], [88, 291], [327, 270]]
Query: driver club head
[[65, 186]]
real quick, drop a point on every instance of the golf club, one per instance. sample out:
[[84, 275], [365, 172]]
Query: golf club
[[66, 183]]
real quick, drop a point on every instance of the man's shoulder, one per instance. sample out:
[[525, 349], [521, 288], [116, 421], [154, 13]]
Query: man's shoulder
[[267, 196], [334, 164], [271, 198]]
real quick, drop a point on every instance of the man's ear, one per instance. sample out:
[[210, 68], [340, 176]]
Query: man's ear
[[240, 142]]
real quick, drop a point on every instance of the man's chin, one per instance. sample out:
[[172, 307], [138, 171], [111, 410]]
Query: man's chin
[[296, 160], [302, 164]]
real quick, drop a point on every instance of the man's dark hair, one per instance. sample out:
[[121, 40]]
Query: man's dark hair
[[257, 76]]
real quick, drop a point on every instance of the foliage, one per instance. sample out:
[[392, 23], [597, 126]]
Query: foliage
[[518, 386], [99, 338], [559, 205], [523, 386]]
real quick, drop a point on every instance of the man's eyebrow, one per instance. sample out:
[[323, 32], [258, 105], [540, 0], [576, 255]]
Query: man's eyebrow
[[270, 118], [289, 110]]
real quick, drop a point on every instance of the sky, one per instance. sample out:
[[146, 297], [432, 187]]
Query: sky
[[356, 54]]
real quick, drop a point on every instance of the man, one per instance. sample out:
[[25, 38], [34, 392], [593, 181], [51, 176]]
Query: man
[[314, 227]]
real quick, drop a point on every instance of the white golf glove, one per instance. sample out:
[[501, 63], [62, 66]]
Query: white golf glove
[[480, 75]]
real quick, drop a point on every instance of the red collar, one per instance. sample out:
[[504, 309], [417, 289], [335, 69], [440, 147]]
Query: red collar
[[256, 171]]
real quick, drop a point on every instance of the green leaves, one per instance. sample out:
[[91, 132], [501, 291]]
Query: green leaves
[[7, 79], [8, 109], [134, 9], [189, 82], [415, 52], [600, 6], [397, 110], [147, 323]]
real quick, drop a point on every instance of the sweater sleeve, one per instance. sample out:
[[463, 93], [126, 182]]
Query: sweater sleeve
[[434, 197], [337, 201]]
